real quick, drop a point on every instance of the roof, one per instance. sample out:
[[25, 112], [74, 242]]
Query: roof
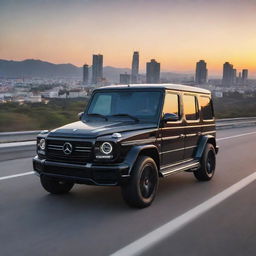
[[177, 87]]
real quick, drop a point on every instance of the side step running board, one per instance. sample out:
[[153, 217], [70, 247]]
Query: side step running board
[[165, 171]]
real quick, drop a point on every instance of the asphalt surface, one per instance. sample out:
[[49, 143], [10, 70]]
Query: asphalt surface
[[95, 220]]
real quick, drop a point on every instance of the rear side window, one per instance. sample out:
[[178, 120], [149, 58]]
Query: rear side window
[[190, 107], [206, 107], [171, 104]]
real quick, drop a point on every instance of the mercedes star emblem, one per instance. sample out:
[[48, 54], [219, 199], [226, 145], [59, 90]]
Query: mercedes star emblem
[[67, 148]]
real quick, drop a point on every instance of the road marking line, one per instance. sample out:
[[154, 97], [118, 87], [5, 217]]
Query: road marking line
[[148, 241], [235, 136], [16, 175]]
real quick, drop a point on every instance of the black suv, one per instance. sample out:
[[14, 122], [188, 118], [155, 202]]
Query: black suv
[[130, 135]]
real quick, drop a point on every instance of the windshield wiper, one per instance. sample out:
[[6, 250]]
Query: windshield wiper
[[123, 114], [99, 115]]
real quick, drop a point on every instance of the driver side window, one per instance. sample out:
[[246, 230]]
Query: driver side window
[[171, 104]]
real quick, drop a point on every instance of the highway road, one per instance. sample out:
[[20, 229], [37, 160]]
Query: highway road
[[187, 217]]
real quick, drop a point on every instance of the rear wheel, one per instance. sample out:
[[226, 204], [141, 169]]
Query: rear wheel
[[141, 189], [55, 186], [208, 164]]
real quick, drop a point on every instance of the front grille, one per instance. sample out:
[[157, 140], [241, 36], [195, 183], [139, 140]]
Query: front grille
[[81, 151]]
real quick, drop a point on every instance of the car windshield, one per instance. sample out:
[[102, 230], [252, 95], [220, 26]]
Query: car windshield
[[133, 105]]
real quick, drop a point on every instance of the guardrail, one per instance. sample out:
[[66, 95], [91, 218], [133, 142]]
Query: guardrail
[[18, 136], [225, 123]]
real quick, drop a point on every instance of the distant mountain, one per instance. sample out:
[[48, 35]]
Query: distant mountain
[[37, 68], [42, 69]]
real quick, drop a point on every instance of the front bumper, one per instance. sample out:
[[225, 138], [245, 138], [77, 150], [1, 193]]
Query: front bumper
[[91, 174]]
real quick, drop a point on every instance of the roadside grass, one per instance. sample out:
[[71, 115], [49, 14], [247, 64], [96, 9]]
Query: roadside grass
[[37, 116]]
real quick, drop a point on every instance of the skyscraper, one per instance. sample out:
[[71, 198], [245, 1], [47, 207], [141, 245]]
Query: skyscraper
[[97, 68], [153, 72], [244, 76], [201, 72], [135, 68], [85, 74], [229, 74]]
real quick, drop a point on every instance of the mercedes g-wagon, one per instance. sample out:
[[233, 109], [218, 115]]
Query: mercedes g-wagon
[[131, 135]]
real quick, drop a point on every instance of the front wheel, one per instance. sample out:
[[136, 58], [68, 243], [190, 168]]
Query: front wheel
[[208, 164], [55, 186], [141, 189]]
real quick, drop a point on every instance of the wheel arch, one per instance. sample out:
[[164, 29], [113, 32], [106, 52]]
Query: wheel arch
[[203, 142], [146, 150]]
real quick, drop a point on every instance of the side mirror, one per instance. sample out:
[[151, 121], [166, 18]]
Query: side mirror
[[80, 115], [170, 117]]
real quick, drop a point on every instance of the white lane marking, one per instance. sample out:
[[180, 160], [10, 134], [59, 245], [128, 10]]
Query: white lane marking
[[148, 241], [17, 144], [235, 136], [16, 175]]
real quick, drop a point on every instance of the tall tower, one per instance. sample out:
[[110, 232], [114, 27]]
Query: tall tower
[[97, 68], [228, 74], [153, 72], [244, 76], [135, 68], [85, 74], [201, 72]]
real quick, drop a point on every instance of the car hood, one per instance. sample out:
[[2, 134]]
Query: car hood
[[94, 129]]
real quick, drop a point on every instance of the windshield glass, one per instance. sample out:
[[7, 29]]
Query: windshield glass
[[126, 104]]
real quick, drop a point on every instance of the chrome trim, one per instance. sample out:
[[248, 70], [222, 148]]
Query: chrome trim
[[180, 162], [193, 165], [84, 147], [210, 132], [170, 137], [194, 126], [192, 135], [178, 149], [56, 146]]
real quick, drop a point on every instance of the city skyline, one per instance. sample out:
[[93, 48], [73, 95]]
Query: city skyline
[[72, 32]]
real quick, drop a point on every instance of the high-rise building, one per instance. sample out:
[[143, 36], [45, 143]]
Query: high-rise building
[[85, 74], [229, 74], [125, 78], [244, 76], [97, 68], [153, 72], [201, 72], [135, 68]]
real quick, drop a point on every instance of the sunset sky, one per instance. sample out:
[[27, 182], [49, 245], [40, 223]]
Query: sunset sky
[[176, 33]]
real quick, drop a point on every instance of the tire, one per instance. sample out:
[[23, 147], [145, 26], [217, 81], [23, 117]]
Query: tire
[[55, 186], [208, 164], [140, 190]]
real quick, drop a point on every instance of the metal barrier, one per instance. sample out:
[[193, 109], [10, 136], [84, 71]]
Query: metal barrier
[[226, 123]]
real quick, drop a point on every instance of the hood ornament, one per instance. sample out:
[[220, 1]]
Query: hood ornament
[[116, 135], [74, 130]]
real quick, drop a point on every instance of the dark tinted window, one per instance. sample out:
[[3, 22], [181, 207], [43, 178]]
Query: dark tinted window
[[190, 107], [171, 104], [206, 108], [143, 105]]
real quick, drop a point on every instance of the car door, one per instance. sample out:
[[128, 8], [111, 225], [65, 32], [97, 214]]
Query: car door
[[193, 126], [172, 132]]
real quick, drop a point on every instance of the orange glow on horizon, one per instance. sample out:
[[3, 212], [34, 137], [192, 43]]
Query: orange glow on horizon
[[176, 34]]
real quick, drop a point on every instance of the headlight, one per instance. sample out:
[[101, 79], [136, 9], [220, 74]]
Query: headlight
[[106, 148], [41, 144]]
